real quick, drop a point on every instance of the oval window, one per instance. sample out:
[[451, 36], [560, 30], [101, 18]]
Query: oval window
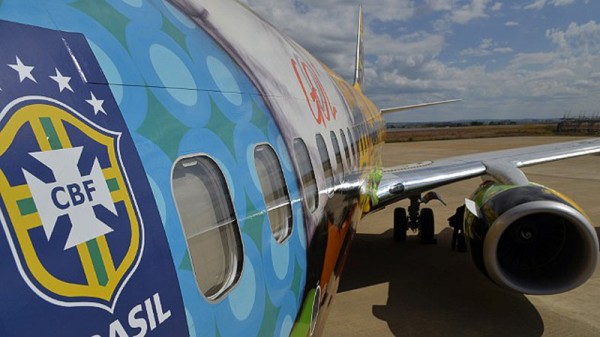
[[346, 151], [324, 154], [211, 230], [274, 191], [351, 141], [307, 175], [338, 155]]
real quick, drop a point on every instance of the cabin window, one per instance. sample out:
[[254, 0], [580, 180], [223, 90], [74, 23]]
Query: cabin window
[[274, 191], [307, 174], [352, 142], [346, 151], [338, 155], [324, 154], [211, 230], [357, 143]]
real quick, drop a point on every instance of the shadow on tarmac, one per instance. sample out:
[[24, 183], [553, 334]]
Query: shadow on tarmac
[[434, 291]]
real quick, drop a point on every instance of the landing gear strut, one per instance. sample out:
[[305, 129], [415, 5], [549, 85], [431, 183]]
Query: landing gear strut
[[417, 219], [456, 222]]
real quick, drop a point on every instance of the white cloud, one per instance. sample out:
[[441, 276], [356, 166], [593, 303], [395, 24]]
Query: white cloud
[[385, 9], [539, 4], [414, 67], [440, 5], [528, 59], [580, 39], [563, 2], [486, 47], [497, 6], [474, 10]]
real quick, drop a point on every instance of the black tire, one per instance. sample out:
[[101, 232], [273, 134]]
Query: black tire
[[426, 226], [400, 224]]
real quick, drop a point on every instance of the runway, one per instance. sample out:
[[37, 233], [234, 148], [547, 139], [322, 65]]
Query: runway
[[407, 289]]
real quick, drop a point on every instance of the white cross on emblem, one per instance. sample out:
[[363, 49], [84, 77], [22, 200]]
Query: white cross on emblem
[[71, 194]]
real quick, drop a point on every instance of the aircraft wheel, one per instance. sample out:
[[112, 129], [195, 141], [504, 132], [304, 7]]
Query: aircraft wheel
[[400, 224], [426, 226]]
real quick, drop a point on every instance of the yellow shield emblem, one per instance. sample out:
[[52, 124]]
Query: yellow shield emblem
[[67, 209]]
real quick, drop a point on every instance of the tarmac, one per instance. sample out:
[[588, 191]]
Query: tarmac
[[408, 289]]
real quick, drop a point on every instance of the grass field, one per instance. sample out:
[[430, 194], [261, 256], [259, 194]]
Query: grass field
[[463, 132]]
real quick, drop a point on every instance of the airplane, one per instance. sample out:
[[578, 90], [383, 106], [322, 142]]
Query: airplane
[[181, 168]]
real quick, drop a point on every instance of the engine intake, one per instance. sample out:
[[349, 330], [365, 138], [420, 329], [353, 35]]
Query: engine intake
[[531, 240]]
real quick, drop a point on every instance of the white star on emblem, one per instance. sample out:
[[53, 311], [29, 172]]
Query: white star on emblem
[[63, 81], [23, 70], [96, 104]]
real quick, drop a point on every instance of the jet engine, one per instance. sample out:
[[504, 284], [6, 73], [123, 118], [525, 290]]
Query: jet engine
[[530, 238]]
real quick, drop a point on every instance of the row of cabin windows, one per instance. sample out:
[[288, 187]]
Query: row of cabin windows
[[206, 212], [208, 217], [309, 183], [349, 150], [371, 131]]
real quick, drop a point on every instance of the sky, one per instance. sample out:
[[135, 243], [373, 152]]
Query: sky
[[506, 59]]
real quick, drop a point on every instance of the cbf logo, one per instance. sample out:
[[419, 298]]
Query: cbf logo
[[72, 223], [76, 204]]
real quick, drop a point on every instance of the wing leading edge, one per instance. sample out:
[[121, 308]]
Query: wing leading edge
[[403, 181], [417, 106]]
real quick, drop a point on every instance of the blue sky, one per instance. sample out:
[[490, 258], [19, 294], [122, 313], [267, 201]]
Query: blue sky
[[507, 60]]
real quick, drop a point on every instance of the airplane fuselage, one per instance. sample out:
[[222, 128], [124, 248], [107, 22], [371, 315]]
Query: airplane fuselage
[[171, 169]]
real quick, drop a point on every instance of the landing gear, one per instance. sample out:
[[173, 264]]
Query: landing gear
[[400, 224], [417, 219], [456, 222], [426, 226]]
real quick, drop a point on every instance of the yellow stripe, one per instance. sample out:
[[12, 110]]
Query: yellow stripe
[[110, 172], [109, 264], [19, 192], [119, 195], [88, 266], [29, 221], [82, 249], [102, 243], [40, 135], [61, 132]]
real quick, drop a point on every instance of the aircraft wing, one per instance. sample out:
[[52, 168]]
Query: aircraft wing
[[416, 106], [400, 182]]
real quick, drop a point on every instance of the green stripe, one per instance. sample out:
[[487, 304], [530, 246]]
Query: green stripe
[[92, 245], [113, 184], [26, 206], [51, 133], [97, 262]]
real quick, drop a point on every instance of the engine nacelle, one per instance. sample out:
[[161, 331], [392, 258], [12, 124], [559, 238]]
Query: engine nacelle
[[530, 239]]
